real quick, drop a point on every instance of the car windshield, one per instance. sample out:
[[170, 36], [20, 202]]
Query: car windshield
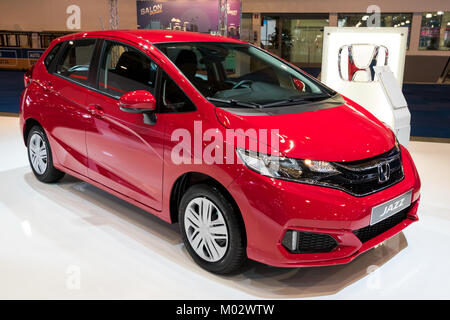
[[236, 74]]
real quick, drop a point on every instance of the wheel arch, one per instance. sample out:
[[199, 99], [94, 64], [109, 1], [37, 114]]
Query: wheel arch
[[189, 179], [29, 123]]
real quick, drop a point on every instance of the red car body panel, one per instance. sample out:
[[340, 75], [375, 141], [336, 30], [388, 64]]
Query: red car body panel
[[92, 139], [311, 208], [304, 137]]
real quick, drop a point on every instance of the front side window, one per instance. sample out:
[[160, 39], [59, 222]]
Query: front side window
[[125, 69], [76, 60], [229, 72]]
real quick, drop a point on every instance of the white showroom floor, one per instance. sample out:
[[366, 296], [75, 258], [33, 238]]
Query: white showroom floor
[[71, 240]]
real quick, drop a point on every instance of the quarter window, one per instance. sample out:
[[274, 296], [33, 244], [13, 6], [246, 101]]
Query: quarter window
[[125, 69], [76, 60], [173, 99], [51, 55]]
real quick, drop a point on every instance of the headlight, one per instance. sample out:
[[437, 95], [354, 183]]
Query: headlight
[[307, 171]]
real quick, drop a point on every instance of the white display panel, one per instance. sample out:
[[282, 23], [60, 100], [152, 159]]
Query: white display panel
[[390, 86], [367, 47], [399, 107]]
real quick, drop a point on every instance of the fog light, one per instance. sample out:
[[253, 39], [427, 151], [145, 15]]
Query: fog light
[[290, 240]]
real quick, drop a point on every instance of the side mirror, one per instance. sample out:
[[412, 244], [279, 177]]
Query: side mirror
[[139, 101], [299, 85]]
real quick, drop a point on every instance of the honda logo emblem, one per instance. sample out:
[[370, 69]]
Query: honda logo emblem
[[354, 59], [384, 172]]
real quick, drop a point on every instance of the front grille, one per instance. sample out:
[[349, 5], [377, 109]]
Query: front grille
[[308, 242], [361, 177], [370, 232]]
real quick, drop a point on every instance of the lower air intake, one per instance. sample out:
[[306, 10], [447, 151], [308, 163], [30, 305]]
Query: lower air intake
[[370, 232], [308, 242]]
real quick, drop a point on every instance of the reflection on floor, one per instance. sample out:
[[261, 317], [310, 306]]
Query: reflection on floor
[[72, 240]]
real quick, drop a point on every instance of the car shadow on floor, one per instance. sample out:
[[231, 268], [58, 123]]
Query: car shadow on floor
[[100, 208]]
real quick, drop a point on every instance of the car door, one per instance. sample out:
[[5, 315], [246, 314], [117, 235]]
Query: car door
[[66, 115], [125, 153]]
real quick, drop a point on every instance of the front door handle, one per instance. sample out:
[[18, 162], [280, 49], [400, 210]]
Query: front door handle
[[96, 111]]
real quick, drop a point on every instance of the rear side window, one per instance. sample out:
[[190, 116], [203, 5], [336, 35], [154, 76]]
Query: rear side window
[[125, 69], [76, 60], [51, 55]]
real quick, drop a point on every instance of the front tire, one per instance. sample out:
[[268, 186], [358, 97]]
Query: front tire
[[40, 156], [211, 230]]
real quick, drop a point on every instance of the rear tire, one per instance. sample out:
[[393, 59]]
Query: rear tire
[[40, 156], [211, 230]]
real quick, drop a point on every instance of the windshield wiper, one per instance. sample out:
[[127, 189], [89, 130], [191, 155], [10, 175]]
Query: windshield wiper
[[290, 101], [233, 102], [284, 102]]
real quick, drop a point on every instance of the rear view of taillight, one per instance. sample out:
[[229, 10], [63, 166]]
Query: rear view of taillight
[[27, 77]]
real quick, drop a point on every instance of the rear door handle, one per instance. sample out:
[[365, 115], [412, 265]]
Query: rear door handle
[[96, 111]]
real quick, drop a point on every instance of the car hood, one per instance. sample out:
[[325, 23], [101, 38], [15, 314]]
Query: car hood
[[337, 129]]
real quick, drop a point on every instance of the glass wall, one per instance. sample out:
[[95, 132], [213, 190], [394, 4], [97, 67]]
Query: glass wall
[[296, 38], [15, 39], [269, 33], [435, 31], [246, 27], [386, 20]]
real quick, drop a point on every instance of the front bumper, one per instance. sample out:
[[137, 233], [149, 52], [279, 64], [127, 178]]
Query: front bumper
[[270, 207]]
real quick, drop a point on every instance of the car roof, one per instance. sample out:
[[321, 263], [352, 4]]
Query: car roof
[[153, 36]]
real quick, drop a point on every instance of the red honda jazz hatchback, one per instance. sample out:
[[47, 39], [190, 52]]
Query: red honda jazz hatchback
[[250, 155]]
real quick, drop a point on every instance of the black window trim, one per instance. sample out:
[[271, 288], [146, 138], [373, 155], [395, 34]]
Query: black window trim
[[94, 71], [99, 59], [94, 68], [60, 56], [292, 66], [99, 55]]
